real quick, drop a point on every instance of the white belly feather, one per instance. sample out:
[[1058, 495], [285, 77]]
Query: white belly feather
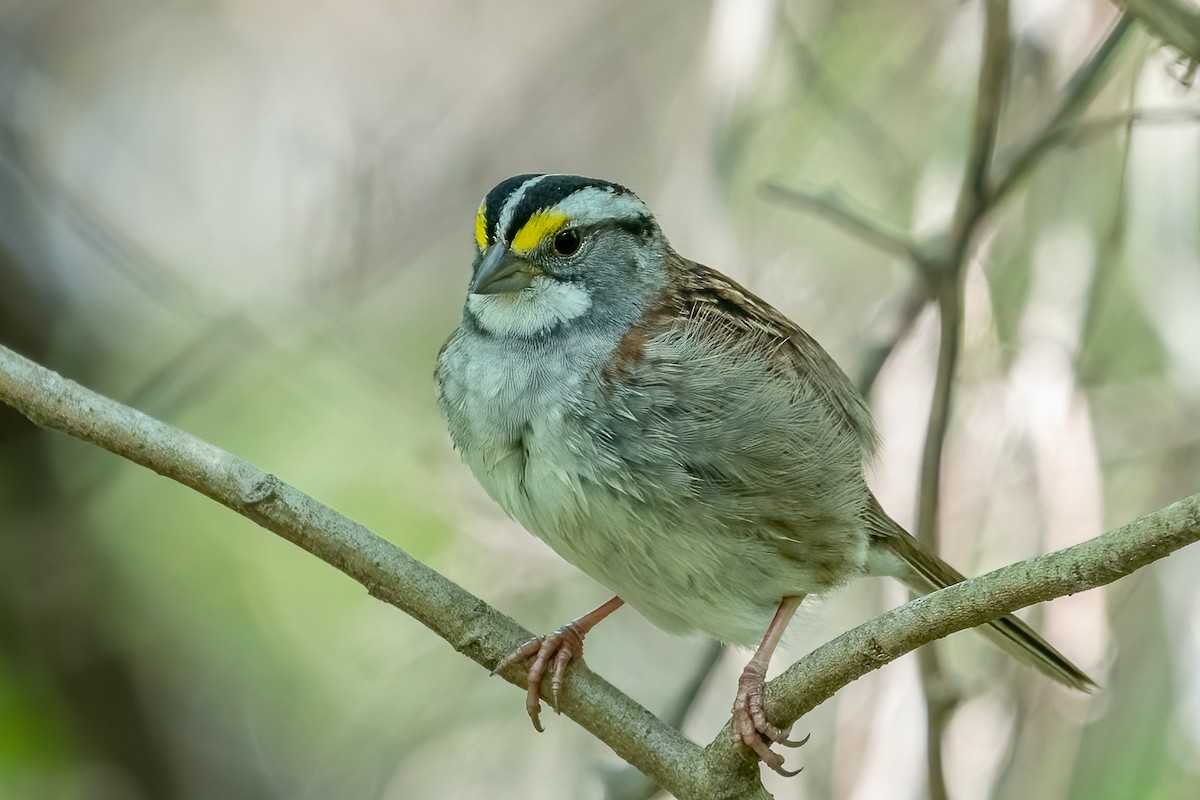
[[516, 431]]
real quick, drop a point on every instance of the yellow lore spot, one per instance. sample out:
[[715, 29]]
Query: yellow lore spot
[[540, 225], [481, 225]]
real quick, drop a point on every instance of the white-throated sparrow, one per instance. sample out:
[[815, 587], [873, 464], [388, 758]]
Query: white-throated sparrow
[[667, 432]]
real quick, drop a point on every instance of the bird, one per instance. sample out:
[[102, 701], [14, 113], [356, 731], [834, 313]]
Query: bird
[[669, 433]]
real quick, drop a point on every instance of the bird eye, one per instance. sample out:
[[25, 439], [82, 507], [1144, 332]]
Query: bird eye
[[566, 242]]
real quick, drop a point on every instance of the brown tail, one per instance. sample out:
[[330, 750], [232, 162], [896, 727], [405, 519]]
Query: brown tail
[[926, 573]]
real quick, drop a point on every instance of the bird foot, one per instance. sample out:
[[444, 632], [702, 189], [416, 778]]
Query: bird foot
[[560, 648], [750, 726]]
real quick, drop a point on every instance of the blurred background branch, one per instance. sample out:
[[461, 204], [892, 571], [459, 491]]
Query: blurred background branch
[[941, 262], [945, 274], [1084, 85], [841, 212], [1176, 22]]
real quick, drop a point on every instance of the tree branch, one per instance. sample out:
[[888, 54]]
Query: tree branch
[[1175, 22], [838, 210], [1084, 132], [945, 276], [1081, 90], [947, 272], [1096, 562], [469, 625]]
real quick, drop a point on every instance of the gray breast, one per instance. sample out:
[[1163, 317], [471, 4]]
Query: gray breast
[[700, 489]]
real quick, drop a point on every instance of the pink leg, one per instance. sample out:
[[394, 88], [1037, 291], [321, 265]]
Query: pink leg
[[563, 646], [750, 725]]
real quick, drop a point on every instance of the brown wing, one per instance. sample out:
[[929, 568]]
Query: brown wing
[[736, 417], [721, 300]]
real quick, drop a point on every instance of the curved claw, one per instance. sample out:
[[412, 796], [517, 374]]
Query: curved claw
[[765, 728], [561, 659], [795, 742], [559, 648], [752, 729], [533, 702], [772, 759]]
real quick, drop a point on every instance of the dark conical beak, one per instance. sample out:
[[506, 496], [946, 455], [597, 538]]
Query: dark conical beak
[[501, 272]]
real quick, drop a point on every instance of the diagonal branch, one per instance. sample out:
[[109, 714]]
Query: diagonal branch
[[1096, 562], [1176, 22], [1083, 87], [468, 624], [831, 206], [1093, 563]]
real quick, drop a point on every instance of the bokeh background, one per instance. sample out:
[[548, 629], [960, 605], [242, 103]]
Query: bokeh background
[[253, 219]]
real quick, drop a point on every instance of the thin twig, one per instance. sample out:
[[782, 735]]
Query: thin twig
[[946, 276], [1175, 22], [875, 142], [1081, 90], [831, 206], [993, 78], [910, 307], [1108, 260], [1083, 133]]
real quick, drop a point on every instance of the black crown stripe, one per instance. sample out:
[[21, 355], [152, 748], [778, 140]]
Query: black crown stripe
[[498, 196], [546, 193]]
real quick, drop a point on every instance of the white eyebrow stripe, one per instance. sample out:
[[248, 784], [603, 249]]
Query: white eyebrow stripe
[[594, 204], [510, 205]]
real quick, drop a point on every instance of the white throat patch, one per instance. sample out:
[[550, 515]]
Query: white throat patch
[[543, 305]]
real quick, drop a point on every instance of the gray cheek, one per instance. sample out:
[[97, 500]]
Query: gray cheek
[[624, 279]]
